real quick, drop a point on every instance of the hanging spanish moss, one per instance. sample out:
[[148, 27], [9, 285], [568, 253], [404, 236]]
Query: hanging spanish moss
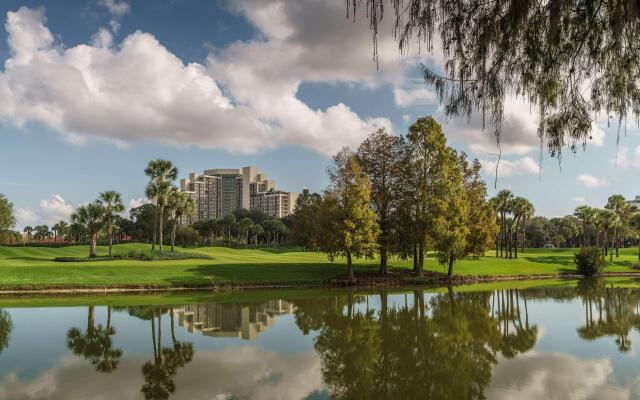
[[573, 59]]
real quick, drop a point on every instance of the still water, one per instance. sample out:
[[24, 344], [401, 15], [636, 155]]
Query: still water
[[563, 343]]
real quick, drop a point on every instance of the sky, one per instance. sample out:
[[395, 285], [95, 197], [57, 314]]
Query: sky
[[91, 90]]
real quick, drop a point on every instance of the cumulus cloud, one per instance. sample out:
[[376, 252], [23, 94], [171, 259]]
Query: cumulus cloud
[[555, 376], [522, 166], [591, 181], [246, 373], [49, 212], [138, 91], [413, 97], [580, 200]]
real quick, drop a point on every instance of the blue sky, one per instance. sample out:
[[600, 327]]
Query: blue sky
[[90, 90]]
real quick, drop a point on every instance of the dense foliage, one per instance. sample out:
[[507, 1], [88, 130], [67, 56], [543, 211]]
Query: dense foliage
[[571, 59], [589, 261]]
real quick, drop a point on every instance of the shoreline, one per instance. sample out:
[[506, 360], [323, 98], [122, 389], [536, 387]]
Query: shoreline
[[363, 281]]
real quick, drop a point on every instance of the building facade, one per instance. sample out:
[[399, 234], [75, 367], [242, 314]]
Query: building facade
[[635, 202], [218, 192]]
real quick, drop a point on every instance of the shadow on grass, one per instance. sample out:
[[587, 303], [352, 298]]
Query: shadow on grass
[[264, 274]]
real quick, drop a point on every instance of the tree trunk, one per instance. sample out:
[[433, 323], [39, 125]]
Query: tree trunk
[[613, 244], [110, 236], [524, 234], [420, 271], [515, 242], [452, 259], [383, 260], [173, 235], [350, 275], [415, 258], [160, 223], [155, 230], [92, 245]]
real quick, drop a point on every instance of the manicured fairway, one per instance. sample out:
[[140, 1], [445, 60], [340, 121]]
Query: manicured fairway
[[23, 267]]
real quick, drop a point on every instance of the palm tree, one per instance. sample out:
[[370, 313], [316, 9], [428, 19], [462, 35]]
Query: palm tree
[[586, 215], [502, 204], [91, 216], [256, 230], [229, 222], [244, 226], [610, 220], [526, 213], [635, 224], [28, 230], [179, 204], [618, 204], [518, 205], [111, 202], [162, 173], [42, 232]]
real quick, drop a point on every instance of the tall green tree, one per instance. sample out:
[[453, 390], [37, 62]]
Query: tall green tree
[[7, 214], [59, 229], [482, 217], [427, 166], [28, 230], [305, 224], [635, 225], [180, 204], [350, 188], [618, 204], [91, 217], [380, 155], [229, 223], [161, 173], [502, 203], [522, 208], [586, 215], [111, 202], [449, 225]]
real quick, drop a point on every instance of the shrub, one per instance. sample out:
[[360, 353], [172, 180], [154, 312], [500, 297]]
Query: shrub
[[187, 236], [589, 261], [636, 266]]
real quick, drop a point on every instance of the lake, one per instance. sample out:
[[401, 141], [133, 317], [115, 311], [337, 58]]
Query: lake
[[545, 343]]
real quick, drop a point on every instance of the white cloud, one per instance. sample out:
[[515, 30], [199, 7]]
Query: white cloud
[[555, 376], [591, 181], [414, 97], [138, 91], [49, 212], [522, 166], [116, 8], [241, 372], [625, 160], [580, 200]]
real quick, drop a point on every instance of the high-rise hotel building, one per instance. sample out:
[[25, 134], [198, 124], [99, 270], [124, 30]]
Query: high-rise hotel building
[[217, 192]]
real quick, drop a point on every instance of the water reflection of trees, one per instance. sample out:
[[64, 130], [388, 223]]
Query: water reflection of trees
[[167, 360], [6, 326], [95, 344], [609, 312], [440, 346]]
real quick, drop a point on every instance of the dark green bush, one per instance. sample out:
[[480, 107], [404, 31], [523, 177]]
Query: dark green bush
[[589, 261], [186, 236]]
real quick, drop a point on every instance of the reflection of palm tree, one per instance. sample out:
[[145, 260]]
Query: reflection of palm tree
[[6, 326], [159, 373], [609, 312], [95, 344]]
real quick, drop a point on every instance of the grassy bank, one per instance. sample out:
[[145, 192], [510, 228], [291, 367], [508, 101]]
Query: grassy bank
[[25, 267]]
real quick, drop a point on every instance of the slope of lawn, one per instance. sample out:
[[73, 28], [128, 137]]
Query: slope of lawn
[[33, 267]]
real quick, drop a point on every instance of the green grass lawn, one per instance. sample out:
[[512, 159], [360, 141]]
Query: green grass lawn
[[33, 267]]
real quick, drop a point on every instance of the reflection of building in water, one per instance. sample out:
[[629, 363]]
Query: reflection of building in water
[[232, 320]]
